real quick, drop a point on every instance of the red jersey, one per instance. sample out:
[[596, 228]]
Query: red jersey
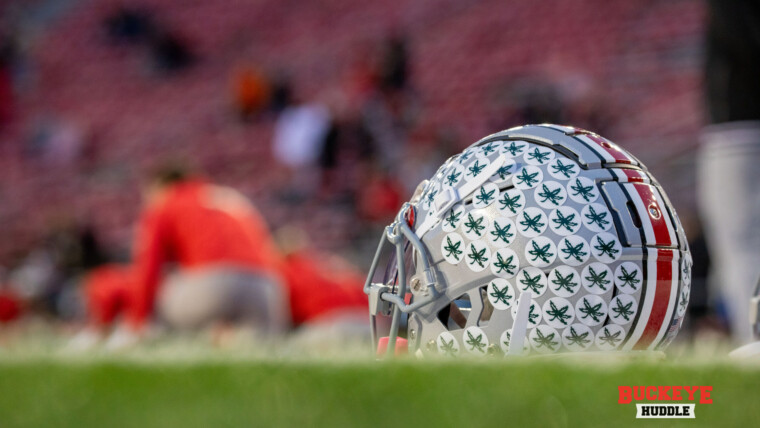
[[107, 291], [318, 285], [196, 224]]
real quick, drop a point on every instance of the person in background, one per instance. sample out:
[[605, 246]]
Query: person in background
[[226, 263], [129, 24], [11, 306], [250, 91], [7, 102], [297, 143], [393, 69], [706, 319], [227, 270], [380, 197], [327, 300], [728, 170], [281, 92], [170, 52], [105, 291]]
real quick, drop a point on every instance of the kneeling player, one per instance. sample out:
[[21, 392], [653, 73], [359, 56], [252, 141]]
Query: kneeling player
[[228, 269]]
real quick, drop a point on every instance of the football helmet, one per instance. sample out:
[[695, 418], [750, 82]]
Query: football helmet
[[537, 239]]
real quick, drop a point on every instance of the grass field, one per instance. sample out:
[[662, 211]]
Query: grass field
[[217, 391]]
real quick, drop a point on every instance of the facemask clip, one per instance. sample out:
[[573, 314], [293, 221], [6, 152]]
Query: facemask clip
[[378, 306]]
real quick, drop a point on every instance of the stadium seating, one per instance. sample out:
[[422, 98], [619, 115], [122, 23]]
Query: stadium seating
[[645, 60]]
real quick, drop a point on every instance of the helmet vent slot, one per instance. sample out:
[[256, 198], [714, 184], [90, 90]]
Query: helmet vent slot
[[469, 198], [454, 316], [634, 214]]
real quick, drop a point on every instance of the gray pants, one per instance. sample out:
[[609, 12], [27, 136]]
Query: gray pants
[[193, 299], [729, 199]]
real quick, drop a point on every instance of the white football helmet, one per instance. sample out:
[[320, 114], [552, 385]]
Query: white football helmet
[[540, 238]]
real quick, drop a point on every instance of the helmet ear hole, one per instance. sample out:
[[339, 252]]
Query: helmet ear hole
[[454, 316]]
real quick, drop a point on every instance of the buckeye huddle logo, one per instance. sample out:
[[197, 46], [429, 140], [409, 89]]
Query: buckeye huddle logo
[[653, 400]]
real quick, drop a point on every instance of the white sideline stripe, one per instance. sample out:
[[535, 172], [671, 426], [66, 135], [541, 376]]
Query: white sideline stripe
[[671, 302], [646, 308]]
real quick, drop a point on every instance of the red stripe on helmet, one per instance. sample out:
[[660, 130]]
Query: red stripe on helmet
[[661, 299], [619, 155], [656, 215], [634, 175]]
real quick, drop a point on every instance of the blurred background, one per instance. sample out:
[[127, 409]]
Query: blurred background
[[325, 113]]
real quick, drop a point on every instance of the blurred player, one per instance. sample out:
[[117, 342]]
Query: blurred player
[[106, 290], [227, 267], [728, 172], [327, 301]]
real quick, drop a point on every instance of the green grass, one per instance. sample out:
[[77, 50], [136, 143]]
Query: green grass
[[215, 392]]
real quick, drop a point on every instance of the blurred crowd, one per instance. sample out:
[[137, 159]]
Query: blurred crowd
[[325, 163]]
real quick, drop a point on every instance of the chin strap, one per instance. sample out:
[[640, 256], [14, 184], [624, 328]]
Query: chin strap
[[520, 326]]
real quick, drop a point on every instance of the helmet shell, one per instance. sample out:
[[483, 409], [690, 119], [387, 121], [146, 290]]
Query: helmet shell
[[569, 220]]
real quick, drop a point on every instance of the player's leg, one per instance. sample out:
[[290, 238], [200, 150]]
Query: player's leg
[[194, 300], [104, 302], [729, 203], [260, 301], [190, 300]]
